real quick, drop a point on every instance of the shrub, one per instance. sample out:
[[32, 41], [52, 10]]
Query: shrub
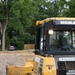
[[20, 45]]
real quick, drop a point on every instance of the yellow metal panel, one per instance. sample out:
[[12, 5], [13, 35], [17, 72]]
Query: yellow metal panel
[[37, 23], [36, 64], [49, 66], [53, 18], [20, 70]]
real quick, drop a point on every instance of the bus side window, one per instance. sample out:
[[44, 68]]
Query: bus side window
[[41, 38]]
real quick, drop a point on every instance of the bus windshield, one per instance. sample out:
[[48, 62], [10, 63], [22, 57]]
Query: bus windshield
[[62, 41]]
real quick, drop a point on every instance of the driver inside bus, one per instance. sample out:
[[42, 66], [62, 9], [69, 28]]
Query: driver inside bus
[[63, 42]]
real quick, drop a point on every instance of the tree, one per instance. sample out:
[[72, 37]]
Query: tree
[[22, 19], [6, 7], [4, 21], [24, 14], [70, 11]]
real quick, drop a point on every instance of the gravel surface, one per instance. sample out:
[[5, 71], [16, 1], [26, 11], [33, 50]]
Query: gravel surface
[[13, 58]]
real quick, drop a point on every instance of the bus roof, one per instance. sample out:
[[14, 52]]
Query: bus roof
[[53, 18]]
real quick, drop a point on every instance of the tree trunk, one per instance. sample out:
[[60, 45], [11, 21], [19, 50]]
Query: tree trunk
[[3, 40], [3, 27]]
